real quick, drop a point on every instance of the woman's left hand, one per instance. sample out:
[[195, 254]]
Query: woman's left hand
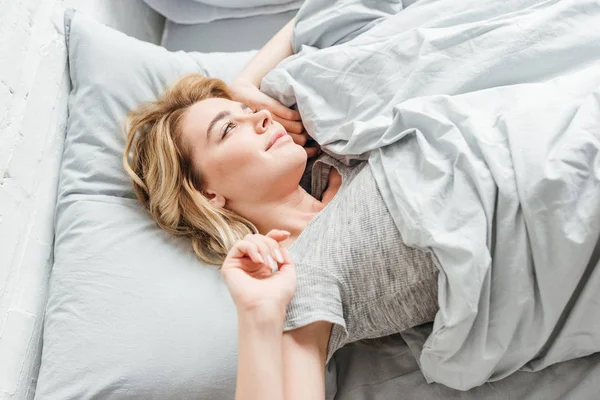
[[248, 273]]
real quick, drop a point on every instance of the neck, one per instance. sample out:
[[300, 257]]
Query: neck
[[291, 213]]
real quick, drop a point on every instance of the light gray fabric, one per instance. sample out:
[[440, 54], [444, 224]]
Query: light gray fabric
[[359, 275], [131, 312], [320, 24], [481, 124]]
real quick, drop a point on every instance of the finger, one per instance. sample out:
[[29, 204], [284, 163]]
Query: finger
[[258, 271], [279, 109], [278, 234], [264, 249], [243, 248], [289, 125], [274, 247], [288, 266], [299, 138], [311, 151], [273, 254]]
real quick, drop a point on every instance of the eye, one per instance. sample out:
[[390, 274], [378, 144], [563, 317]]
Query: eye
[[228, 127]]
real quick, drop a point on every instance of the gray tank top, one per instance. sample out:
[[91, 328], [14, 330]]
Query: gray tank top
[[352, 266]]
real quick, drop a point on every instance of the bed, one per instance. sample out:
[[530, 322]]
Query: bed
[[383, 369], [228, 34]]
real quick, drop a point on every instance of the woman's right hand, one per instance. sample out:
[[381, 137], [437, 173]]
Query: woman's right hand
[[246, 92], [254, 282]]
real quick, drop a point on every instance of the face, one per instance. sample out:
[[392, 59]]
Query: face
[[244, 156]]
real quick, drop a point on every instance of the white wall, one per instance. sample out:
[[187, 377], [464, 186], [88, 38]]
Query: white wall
[[33, 95]]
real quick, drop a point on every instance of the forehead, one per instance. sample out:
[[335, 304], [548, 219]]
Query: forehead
[[195, 121], [198, 116]]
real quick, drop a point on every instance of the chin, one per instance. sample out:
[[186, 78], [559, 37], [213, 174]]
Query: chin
[[293, 163], [301, 156]]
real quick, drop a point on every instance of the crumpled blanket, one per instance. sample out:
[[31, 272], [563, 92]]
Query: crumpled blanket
[[481, 122]]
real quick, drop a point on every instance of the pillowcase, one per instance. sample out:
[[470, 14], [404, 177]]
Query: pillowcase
[[195, 12], [131, 313]]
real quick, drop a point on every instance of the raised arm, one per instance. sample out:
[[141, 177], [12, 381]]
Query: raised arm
[[245, 87], [276, 49]]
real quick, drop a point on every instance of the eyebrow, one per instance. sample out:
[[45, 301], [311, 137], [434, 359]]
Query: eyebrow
[[220, 116]]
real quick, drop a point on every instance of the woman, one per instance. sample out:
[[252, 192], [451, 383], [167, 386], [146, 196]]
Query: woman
[[223, 167]]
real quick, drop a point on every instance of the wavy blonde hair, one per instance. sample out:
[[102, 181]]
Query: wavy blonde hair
[[164, 179]]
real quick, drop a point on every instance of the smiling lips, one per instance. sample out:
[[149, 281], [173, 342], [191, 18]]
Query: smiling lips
[[274, 138]]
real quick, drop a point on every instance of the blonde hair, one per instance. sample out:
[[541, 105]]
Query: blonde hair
[[163, 177]]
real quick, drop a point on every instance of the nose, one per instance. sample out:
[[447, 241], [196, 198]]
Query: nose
[[263, 120]]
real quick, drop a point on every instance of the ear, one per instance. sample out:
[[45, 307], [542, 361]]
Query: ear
[[216, 199]]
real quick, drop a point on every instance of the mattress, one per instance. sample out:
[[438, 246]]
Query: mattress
[[225, 35]]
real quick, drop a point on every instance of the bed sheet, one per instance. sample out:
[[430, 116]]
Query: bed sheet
[[387, 369], [226, 35]]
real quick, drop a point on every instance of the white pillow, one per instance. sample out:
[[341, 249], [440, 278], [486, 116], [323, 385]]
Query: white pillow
[[195, 12]]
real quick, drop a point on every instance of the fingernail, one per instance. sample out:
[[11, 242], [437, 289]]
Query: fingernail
[[262, 260], [285, 232], [278, 255], [272, 264]]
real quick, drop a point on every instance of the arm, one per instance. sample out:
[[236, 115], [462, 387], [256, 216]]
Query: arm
[[276, 49], [304, 356], [271, 365], [260, 362], [261, 296], [245, 88]]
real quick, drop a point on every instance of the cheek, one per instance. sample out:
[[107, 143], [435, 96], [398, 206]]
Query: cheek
[[239, 157], [236, 165]]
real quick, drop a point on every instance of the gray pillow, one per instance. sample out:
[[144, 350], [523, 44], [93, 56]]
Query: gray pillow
[[131, 312]]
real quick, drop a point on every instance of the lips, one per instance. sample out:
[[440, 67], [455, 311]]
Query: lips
[[274, 138]]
